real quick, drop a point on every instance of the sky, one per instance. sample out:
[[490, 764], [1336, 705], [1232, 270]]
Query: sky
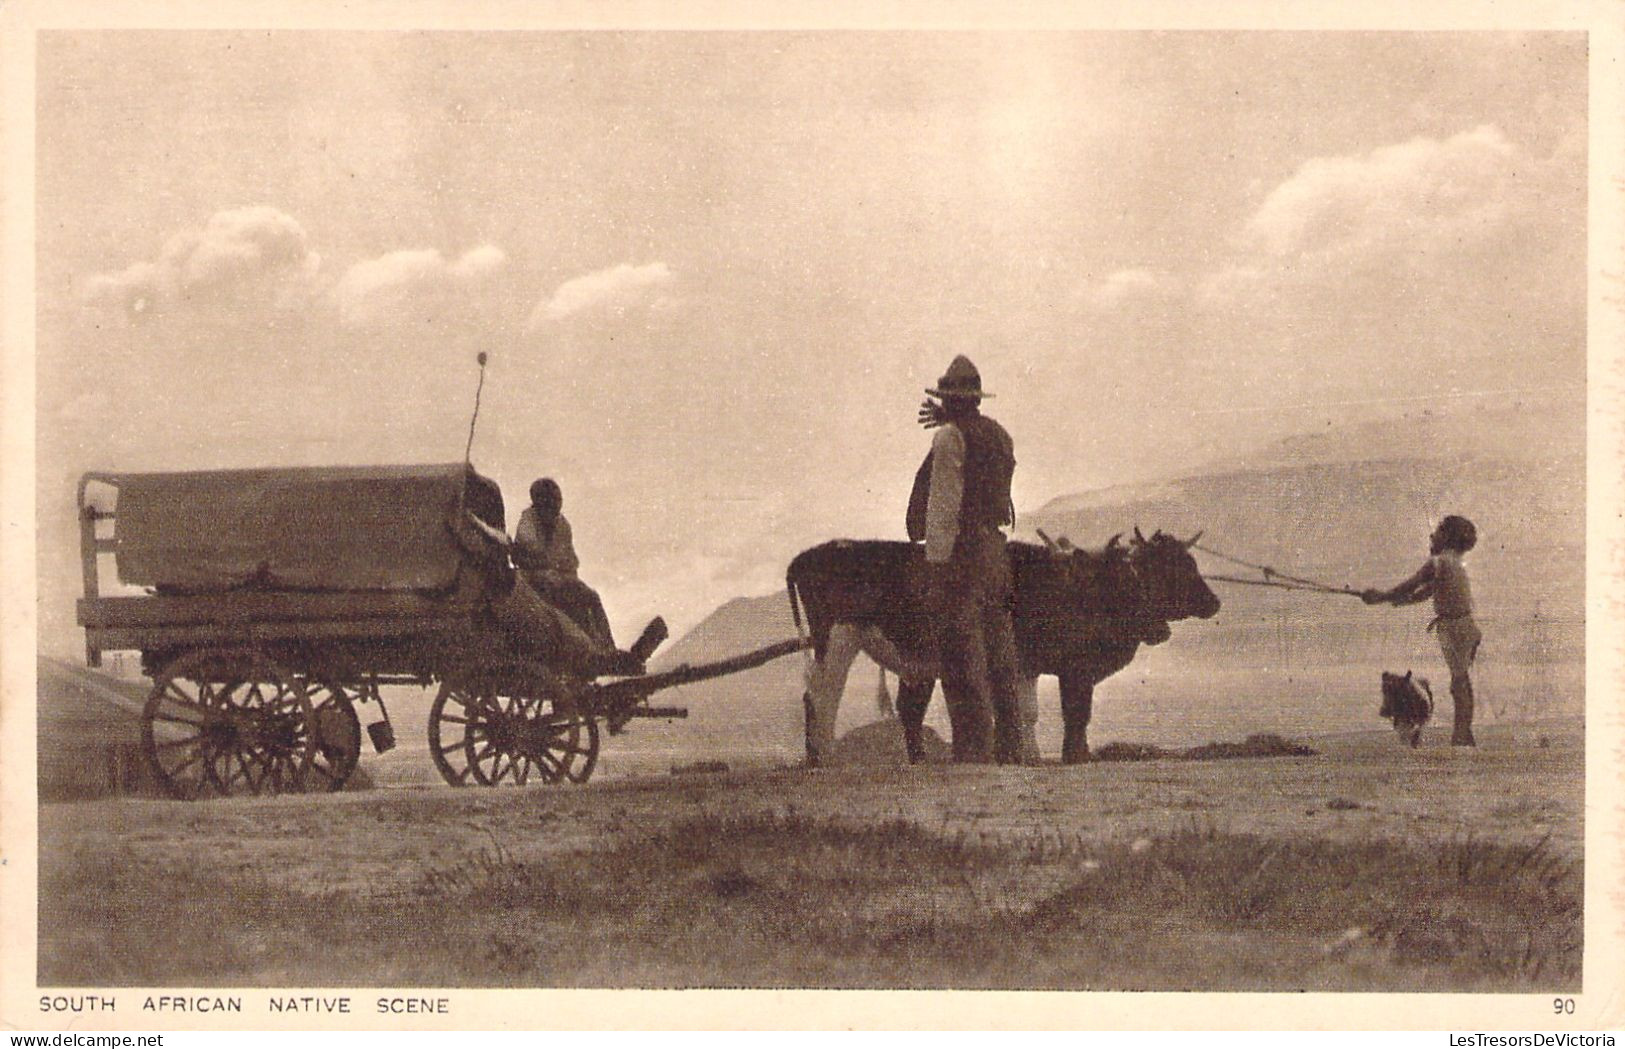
[[714, 271]]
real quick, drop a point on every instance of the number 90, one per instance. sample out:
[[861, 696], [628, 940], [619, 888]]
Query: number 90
[[1564, 1006]]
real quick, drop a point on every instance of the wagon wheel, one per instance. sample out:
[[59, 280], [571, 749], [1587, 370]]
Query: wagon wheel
[[222, 722], [338, 736], [507, 724]]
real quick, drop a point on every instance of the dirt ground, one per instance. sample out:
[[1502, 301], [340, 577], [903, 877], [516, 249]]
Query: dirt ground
[[1523, 784]]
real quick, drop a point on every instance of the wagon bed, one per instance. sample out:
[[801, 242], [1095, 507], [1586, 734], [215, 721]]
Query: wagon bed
[[158, 621]]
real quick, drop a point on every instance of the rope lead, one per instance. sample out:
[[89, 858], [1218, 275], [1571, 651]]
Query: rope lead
[[1292, 582]]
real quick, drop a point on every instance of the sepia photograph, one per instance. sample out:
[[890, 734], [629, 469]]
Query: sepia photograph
[[1041, 505]]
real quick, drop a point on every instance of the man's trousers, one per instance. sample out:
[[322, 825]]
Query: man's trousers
[[972, 594]]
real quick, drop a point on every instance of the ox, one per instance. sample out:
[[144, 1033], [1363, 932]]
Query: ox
[[1079, 615]]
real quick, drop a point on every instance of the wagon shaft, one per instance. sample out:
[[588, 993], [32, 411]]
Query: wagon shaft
[[635, 689]]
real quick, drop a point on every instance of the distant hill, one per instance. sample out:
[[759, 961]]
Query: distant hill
[[755, 709], [1521, 431], [1362, 524]]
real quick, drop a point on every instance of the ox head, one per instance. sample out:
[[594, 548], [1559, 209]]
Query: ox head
[[1138, 584], [1102, 581], [1171, 584], [1114, 550], [1095, 575]]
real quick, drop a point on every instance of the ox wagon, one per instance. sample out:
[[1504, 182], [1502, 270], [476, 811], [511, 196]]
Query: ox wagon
[[268, 605]]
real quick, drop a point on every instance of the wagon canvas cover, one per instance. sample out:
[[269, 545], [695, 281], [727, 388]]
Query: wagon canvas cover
[[325, 528]]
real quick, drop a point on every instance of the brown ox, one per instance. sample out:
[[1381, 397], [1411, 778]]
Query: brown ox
[[1079, 615]]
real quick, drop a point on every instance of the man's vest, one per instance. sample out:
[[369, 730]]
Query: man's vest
[[989, 463]]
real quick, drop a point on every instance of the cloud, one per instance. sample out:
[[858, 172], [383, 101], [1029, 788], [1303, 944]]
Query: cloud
[[1429, 209], [404, 287], [1127, 289], [479, 263], [134, 289], [237, 245], [243, 255], [618, 289], [1425, 195], [1420, 265]]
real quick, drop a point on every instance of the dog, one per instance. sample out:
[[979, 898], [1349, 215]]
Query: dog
[[1404, 703]]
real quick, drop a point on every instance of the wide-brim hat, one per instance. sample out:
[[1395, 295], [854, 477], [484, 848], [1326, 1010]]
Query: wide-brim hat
[[960, 380]]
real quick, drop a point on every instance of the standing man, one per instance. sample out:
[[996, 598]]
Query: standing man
[[961, 500]]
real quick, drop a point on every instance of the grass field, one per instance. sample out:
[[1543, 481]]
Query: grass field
[[790, 901], [1364, 867]]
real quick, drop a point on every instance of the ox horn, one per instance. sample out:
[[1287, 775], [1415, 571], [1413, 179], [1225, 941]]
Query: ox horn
[[1138, 538], [1112, 543], [1192, 540], [1047, 540]]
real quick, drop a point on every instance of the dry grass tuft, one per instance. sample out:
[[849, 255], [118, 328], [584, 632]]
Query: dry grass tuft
[[785, 900], [1259, 745]]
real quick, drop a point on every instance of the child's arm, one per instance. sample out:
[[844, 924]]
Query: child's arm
[[1418, 587]]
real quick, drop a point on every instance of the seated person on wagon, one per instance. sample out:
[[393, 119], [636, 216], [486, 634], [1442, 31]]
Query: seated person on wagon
[[544, 550]]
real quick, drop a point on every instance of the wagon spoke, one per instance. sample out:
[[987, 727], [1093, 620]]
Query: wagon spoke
[[188, 763], [276, 769], [246, 762], [231, 777], [210, 774], [217, 761], [179, 721], [262, 762], [273, 778], [225, 760], [270, 769], [179, 698], [551, 766], [185, 703]]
